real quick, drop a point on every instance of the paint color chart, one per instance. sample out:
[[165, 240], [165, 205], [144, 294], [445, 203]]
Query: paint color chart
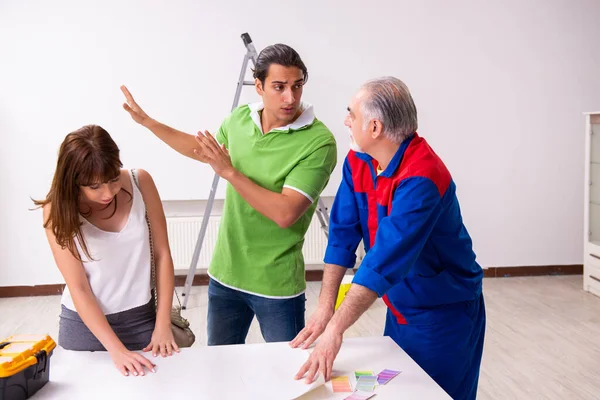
[[386, 375], [341, 384], [366, 383], [360, 396], [358, 374]]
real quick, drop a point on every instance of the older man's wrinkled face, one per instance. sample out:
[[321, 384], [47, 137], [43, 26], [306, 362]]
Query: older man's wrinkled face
[[359, 137]]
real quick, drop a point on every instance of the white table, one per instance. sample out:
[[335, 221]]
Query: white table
[[255, 371]]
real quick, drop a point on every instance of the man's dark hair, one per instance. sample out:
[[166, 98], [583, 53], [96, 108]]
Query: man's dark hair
[[281, 54]]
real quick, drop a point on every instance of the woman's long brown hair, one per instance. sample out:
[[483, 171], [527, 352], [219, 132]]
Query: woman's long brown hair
[[87, 156]]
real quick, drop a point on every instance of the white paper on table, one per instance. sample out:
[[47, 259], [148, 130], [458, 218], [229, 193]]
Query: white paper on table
[[218, 372], [276, 381]]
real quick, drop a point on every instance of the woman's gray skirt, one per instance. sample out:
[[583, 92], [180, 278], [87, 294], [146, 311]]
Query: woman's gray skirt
[[133, 327]]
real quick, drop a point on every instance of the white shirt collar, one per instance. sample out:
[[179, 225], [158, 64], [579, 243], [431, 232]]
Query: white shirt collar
[[306, 118]]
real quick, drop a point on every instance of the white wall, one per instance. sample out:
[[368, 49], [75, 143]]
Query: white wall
[[500, 89]]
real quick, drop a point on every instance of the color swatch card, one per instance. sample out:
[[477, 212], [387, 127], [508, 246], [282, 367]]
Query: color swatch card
[[366, 383], [357, 374], [341, 384], [360, 396], [386, 375]]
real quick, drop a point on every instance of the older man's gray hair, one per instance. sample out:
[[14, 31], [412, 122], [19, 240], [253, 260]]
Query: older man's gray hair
[[388, 100]]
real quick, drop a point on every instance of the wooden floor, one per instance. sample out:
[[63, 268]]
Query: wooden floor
[[542, 340]]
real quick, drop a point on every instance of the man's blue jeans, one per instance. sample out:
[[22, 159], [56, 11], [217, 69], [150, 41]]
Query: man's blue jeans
[[230, 313]]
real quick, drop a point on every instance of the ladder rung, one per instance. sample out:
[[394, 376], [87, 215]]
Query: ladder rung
[[248, 83]]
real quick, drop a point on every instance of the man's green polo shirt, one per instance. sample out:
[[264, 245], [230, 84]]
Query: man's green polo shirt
[[252, 253]]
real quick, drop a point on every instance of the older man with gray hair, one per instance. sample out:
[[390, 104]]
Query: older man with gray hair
[[398, 197]]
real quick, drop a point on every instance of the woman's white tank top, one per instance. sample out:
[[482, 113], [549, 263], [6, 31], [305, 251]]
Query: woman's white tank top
[[119, 274]]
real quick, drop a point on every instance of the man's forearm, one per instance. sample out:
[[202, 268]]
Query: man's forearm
[[272, 205], [357, 301], [332, 278], [179, 141]]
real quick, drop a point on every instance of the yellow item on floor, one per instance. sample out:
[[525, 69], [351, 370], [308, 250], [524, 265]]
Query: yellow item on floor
[[24, 365]]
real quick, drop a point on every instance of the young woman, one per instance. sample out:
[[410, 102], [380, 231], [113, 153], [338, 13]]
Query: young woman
[[95, 221]]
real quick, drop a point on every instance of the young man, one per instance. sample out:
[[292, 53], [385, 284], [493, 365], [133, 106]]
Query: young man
[[399, 198], [277, 158]]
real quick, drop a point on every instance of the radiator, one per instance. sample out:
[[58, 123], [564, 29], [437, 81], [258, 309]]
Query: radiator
[[183, 233]]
